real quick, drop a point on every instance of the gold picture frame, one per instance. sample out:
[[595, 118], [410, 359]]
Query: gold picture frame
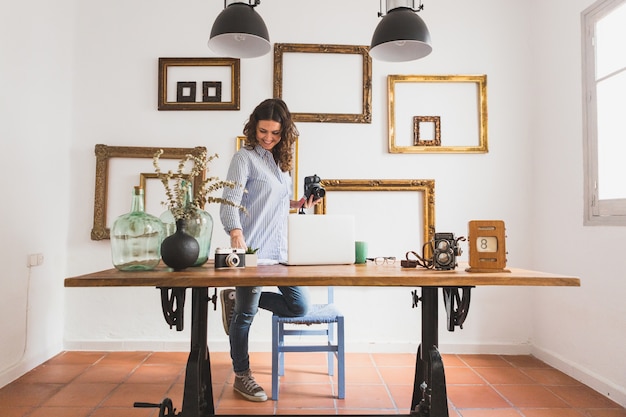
[[143, 183], [240, 142], [425, 186], [365, 115], [104, 155], [419, 139], [199, 75], [459, 100]]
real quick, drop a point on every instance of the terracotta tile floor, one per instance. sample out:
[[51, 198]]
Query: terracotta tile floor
[[106, 384]]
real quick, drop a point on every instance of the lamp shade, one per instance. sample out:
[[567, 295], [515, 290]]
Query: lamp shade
[[400, 36], [239, 32]]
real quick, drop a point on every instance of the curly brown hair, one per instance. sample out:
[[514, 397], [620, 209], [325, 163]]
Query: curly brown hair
[[274, 109]]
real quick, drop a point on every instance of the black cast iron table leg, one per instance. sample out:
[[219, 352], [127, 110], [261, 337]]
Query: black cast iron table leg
[[430, 398], [198, 394]]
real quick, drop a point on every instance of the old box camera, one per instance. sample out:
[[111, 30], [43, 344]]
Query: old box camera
[[313, 188], [230, 258], [446, 249]]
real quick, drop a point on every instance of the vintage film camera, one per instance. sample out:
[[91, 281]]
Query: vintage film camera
[[446, 249], [313, 188], [230, 258]]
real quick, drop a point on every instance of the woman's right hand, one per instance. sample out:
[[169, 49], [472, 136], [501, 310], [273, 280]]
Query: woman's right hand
[[237, 240]]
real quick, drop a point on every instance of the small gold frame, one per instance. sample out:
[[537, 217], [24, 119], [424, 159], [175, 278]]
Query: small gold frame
[[481, 99], [143, 182], [166, 63], [103, 154], [423, 186], [366, 114], [417, 137]]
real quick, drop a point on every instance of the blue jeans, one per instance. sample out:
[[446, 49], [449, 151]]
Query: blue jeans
[[291, 302]]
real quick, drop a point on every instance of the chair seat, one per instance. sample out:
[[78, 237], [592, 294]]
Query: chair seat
[[318, 313]]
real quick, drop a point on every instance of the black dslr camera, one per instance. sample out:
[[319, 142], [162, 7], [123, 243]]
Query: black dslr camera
[[313, 188], [230, 258], [446, 249]]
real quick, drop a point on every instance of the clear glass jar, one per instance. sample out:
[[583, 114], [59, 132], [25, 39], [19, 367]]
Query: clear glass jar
[[136, 237]]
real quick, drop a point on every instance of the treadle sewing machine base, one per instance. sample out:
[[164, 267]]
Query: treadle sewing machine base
[[429, 389]]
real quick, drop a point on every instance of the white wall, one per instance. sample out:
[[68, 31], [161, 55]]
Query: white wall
[[581, 331], [36, 64], [116, 106], [532, 61]]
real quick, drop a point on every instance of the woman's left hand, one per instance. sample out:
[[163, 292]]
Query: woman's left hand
[[304, 203]]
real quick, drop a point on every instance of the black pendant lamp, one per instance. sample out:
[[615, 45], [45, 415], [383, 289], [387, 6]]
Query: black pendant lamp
[[239, 31], [401, 35]]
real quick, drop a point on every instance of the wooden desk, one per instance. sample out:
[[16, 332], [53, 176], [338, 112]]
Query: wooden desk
[[429, 389]]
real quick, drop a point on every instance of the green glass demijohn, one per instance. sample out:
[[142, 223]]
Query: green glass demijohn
[[198, 224], [136, 237]]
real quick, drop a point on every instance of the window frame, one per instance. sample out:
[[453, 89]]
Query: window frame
[[608, 211]]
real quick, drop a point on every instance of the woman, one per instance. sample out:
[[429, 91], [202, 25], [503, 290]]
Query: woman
[[262, 166]]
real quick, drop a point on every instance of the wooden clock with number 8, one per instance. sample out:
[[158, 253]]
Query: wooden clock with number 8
[[487, 246]]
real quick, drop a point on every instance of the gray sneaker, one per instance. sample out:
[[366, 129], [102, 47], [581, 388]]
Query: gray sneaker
[[248, 388], [227, 297]]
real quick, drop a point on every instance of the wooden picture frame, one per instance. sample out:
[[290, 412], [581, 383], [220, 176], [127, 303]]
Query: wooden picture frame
[[459, 100], [419, 138], [143, 183], [327, 80], [425, 186], [240, 142], [104, 155], [195, 73]]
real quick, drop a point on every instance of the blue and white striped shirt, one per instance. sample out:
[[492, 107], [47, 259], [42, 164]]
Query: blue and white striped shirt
[[267, 196]]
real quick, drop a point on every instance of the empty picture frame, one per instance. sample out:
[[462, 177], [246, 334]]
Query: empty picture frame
[[324, 83], [199, 74], [420, 136], [153, 192], [459, 100], [397, 226], [135, 160]]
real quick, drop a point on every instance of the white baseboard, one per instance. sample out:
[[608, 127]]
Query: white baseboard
[[265, 346], [582, 374], [25, 364]]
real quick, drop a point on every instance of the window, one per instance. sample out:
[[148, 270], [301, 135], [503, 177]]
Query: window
[[604, 83]]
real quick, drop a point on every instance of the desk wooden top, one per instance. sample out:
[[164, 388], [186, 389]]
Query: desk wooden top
[[364, 275]]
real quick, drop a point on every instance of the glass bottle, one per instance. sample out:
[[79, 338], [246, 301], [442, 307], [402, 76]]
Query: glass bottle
[[136, 237], [199, 224]]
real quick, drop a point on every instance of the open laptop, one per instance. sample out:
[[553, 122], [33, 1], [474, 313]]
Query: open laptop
[[322, 239]]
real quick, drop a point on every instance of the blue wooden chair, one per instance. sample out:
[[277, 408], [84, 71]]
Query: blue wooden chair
[[331, 318]]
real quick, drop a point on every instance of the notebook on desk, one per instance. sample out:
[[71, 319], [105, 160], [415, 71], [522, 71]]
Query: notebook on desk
[[322, 239]]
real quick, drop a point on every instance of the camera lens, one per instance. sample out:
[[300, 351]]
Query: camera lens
[[232, 259], [444, 258]]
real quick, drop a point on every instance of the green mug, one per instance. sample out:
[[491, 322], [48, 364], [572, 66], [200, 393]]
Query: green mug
[[360, 252]]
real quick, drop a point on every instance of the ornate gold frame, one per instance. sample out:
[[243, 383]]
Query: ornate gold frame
[[233, 63], [241, 140], [481, 83], [143, 182], [366, 115], [424, 186], [103, 154], [417, 137]]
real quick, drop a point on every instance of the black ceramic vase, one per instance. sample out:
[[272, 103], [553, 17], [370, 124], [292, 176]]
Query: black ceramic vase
[[180, 250]]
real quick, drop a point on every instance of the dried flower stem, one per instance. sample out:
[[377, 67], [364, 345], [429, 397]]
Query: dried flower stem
[[178, 184]]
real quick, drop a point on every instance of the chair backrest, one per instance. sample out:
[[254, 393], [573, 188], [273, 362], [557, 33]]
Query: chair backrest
[[331, 294]]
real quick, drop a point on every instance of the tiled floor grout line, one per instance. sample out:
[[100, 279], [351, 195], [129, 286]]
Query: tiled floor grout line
[[485, 369]]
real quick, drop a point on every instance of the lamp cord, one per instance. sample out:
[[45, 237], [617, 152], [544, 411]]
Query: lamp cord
[[19, 360]]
